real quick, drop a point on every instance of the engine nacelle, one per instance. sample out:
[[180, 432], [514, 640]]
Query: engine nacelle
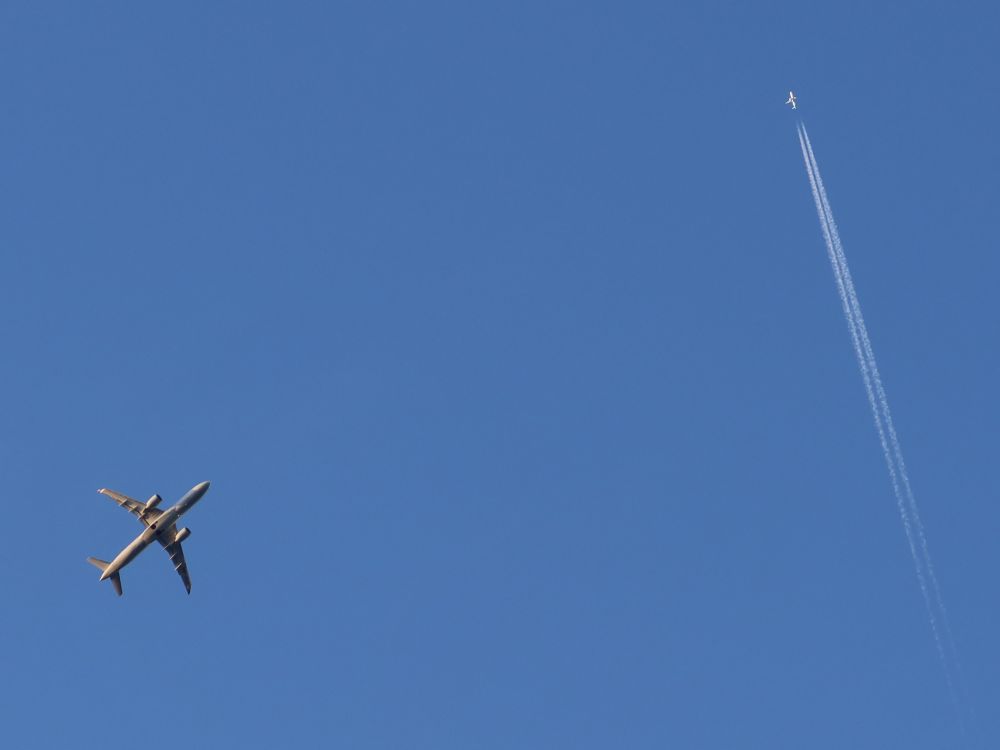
[[182, 534], [153, 501]]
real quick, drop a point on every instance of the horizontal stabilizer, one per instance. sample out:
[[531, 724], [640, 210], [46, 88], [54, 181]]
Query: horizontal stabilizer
[[102, 564], [116, 580]]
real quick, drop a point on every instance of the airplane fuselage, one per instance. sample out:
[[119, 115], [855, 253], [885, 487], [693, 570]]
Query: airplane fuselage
[[151, 534]]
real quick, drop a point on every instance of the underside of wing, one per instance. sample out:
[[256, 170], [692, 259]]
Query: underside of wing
[[137, 509], [176, 553]]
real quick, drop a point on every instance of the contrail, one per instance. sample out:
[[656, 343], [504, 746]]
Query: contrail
[[880, 392], [905, 502], [883, 400], [856, 337]]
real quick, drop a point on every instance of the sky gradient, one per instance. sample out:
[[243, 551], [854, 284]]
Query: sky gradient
[[506, 336]]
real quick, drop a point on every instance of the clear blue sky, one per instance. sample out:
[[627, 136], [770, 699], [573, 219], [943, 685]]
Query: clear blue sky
[[506, 336]]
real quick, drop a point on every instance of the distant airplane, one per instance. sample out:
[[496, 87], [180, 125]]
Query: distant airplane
[[791, 99], [160, 526]]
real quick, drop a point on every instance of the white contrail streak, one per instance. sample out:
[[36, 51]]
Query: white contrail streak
[[856, 337], [905, 502], [880, 392]]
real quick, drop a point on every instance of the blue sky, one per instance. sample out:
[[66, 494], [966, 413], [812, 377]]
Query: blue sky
[[506, 336]]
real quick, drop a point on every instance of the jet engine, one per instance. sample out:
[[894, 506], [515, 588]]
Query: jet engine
[[182, 534], [153, 501]]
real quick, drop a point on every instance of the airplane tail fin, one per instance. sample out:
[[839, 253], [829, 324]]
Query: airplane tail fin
[[116, 580]]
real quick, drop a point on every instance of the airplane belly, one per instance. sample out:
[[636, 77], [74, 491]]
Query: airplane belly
[[128, 554], [163, 522]]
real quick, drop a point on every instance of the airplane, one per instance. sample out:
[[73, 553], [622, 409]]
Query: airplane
[[160, 527], [791, 99]]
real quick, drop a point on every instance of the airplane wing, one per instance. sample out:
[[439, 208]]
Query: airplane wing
[[137, 509], [176, 553]]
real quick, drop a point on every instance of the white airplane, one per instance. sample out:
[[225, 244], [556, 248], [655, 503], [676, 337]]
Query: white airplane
[[791, 99], [160, 526]]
